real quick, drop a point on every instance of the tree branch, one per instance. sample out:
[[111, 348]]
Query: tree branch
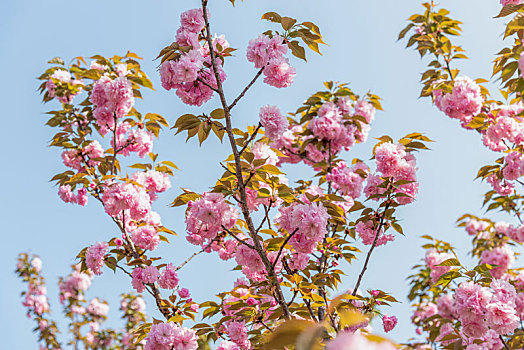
[[364, 268], [271, 275], [253, 135], [259, 73]]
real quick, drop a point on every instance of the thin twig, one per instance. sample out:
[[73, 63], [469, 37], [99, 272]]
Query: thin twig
[[238, 239], [207, 84], [265, 325], [364, 268], [193, 255], [504, 342], [283, 245], [259, 73], [253, 135]]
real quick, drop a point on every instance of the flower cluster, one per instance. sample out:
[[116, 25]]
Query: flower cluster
[[434, 259], [74, 158], [367, 231], [113, 99], [65, 193], [128, 198], [505, 127], [348, 181], [463, 103], [394, 162], [95, 257], [62, 86], [170, 336], [144, 275], [190, 74], [331, 127], [129, 140], [273, 122], [207, 216], [269, 54], [306, 222]]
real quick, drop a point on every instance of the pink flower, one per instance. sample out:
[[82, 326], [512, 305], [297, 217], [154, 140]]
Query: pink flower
[[113, 96], [206, 216], [513, 2], [227, 345], [263, 49], [95, 256], [97, 308], [389, 322], [168, 277], [237, 331], [145, 237], [279, 73], [367, 232], [356, 341], [184, 293], [141, 276], [433, 259], [308, 223], [503, 257], [346, 180], [473, 226], [126, 196], [463, 103], [66, 194], [192, 20], [274, 123]]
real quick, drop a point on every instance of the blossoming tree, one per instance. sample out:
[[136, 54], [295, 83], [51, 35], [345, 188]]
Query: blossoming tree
[[287, 240]]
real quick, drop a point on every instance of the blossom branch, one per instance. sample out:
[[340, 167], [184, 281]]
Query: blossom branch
[[243, 198], [366, 262], [194, 255], [238, 239], [283, 245]]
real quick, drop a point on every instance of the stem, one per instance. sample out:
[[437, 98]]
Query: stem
[[364, 268], [238, 172], [193, 255], [504, 342], [283, 245], [208, 85], [259, 73], [253, 135]]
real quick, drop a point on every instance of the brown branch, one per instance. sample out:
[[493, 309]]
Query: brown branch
[[259, 73], [271, 275], [207, 84], [253, 135], [238, 239], [283, 245], [194, 255], [364, 268], [504, 342]]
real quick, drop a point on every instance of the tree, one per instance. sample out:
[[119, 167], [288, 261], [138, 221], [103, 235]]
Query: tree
[[287, 240]]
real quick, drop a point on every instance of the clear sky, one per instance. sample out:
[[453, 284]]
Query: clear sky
[[362, 51]]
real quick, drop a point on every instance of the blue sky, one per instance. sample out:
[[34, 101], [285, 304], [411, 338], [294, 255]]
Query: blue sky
[[362, 51]]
